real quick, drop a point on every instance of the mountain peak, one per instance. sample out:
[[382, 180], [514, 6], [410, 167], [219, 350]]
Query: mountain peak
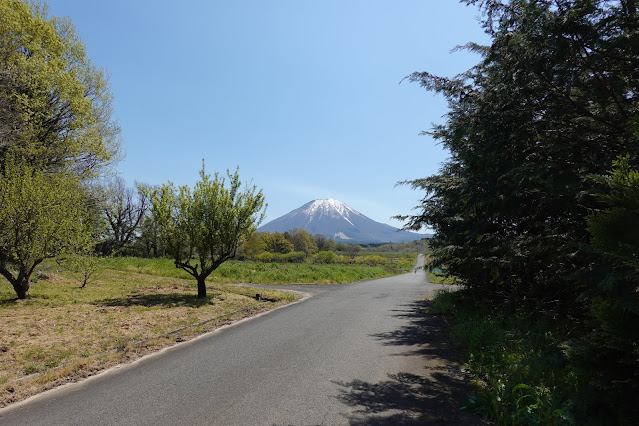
[[335, 219], [327, 205]]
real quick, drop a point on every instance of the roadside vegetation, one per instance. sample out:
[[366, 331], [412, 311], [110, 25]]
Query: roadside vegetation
[[516, 364], [535, 213]]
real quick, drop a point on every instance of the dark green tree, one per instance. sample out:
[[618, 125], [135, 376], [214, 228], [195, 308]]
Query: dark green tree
[[553, 101]]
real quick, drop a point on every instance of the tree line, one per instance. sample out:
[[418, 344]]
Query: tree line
[[536, 211]]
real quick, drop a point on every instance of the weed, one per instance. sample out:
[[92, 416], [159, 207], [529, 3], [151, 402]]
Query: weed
[[30, 369]]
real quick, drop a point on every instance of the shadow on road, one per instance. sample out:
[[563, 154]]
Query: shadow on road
[[434, 397], [425, 333]]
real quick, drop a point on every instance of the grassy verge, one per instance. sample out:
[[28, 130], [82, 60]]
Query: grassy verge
[[517, 365], [64, 332]]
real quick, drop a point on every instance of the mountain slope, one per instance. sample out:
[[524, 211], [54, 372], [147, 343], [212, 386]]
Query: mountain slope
[[335, 219]]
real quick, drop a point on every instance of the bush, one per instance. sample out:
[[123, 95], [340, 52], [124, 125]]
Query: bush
[[265, 257], [325, 257], [293, 257]]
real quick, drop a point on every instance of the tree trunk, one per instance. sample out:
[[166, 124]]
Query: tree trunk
[[22, 288], [201, 287], [20, 283]]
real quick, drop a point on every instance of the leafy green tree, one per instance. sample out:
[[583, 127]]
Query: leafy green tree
[[42, 215], [203, 228], [607, 354], [55, 128], [302, 241], [55, 105], [276, 242], [253, 246], [325, 257]]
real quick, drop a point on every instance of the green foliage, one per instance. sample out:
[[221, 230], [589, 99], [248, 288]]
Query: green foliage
[[323, 243], [263, 272], [203, 228], [612, 230], [253, 247], [293, 257], [276, 242], [301, 240], [325, 257], [42, 215], [372, 259], [265, 257], [55, 129], [55, 105], [526, 126], [518, 218], [519, 366], [84, 262]]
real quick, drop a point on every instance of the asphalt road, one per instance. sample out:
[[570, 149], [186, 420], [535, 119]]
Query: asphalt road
[[351, 354]]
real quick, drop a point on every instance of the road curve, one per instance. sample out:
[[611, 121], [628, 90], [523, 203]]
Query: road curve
[[357, 354]]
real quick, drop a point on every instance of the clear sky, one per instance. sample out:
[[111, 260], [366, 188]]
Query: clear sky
[[304, 96]]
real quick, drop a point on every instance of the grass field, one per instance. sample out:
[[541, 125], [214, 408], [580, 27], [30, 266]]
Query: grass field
[[134, 307], [249, 272]]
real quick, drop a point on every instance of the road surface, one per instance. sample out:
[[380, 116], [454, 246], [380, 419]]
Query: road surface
[[353, 354]]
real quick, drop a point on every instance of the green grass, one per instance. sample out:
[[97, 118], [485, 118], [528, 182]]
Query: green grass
[[518, 365], [255, 272]]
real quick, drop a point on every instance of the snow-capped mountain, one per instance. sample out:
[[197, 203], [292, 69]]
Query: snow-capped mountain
[[335, 219]]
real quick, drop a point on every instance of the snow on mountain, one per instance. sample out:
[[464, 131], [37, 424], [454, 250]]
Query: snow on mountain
[[335, 219]]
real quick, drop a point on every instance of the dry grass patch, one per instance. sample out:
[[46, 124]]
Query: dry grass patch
[[64, 333]]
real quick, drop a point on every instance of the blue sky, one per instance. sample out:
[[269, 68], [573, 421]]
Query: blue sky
[[304, 96]]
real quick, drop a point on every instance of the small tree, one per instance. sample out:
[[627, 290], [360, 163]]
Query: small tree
[[202, 228], [42, 215], [85, 262]]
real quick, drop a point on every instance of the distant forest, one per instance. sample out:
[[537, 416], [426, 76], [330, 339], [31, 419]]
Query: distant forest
[[419, 246]]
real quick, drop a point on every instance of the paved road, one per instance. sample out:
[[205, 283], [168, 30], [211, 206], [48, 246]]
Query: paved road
[[351, 354]]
